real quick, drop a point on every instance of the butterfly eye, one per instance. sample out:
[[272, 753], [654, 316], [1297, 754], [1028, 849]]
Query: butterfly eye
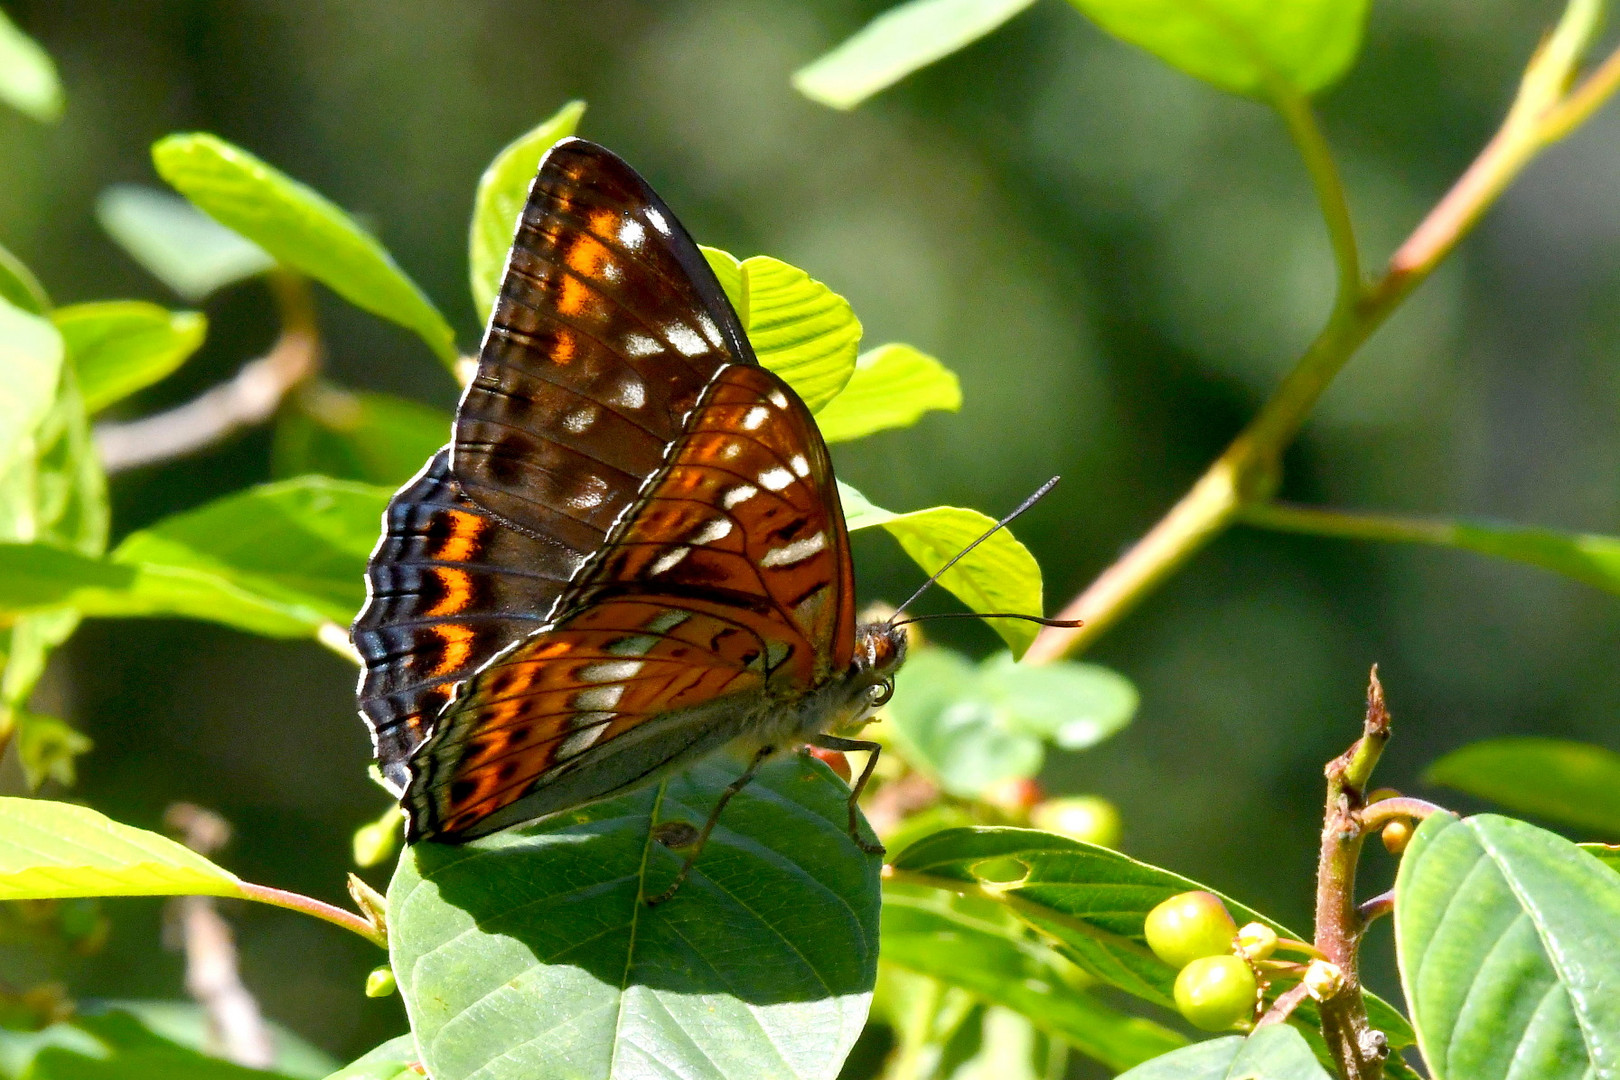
[[880, 694]]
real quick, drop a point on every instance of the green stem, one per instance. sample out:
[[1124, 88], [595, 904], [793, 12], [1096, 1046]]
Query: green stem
[[1285, 517], [1249, 470], [292, 901], [1296, 113]]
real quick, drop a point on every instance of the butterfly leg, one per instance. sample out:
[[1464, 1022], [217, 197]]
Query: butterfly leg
[[708, 826], [833, 742]]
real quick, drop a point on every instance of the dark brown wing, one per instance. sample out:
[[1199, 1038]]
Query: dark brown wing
[[608, 326], [725, 593]]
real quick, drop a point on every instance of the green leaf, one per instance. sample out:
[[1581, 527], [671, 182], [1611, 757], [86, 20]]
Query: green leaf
[[976, 946], [18, 285], [530, 954], [390, 1061], [1506, 936], [31, 357], [502, 192], [121, 346], [301, 229], [799, 328], [128, 1050], [1588, 558], [1607, 854], [1090, 901], [355, 435], [188, 1024], [178, 244], [893, 385], [998, 575], [53, 850], [903, 39], [47, 748], [302, 543], [971, 726], [1572, 783], [28, 80], [1277, 1052], [1240, 45]]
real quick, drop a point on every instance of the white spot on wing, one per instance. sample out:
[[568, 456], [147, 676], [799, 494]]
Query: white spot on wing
[[778, 399], [800, 466], [641, 345], [755, 418], [632, 233], [796, 552], [611, 670], [686, 339], [598, 698], [580, 419], [718, 529], [775, 479], [638, 645], [657, 220], [710, 331], [611, 272], [632, 393], [670, 559], [738, 495], [590, 493], [582, 740], [665, 621]]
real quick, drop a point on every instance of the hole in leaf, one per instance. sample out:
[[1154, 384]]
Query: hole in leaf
[[1001, 873]]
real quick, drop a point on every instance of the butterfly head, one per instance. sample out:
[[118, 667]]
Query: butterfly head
[[880, 649]]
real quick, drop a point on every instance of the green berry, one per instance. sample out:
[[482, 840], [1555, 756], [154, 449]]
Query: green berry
[[1215, 993], [1189, 926], [380, 983], [1084, 817]]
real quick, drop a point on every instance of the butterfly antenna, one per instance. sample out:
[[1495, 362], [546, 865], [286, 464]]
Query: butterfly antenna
[[1002, 524]]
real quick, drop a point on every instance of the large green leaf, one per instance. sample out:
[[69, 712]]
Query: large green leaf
[[28, 80], [188, 1024], [302, 542], [1277, 1052], [1572, 783], [54, 849], [121, 346], [1091, 901], [1000, 575], [18, 285], [896, 43], [502, 191], [355, 435], [1240, 45], [300, 228], [971, 726], [125, 1048], [799, 328], [393, 1060], [893, 385], [975, 945], [31, 357], [531, 954], [1506, 939], [178, 244]]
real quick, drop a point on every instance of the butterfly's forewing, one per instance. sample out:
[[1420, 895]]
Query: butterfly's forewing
[[608, 326], [725, 594]]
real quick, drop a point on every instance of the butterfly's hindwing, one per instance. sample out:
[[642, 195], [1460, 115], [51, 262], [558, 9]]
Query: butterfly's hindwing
[[724, 592]]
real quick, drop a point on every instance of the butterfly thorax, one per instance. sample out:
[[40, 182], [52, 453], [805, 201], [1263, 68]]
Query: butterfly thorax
[[840, 703]]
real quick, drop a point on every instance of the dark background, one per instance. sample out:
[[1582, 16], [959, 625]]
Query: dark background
[[1117, 260]]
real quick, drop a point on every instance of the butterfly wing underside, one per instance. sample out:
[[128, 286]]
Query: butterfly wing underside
[[608, 326], [721, 601]]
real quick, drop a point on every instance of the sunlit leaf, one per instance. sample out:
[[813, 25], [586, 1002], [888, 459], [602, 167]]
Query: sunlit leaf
[[1277, 1052], [301, 228], [893, 385], [31, 357], [976, 946], [1572, 783], [178, 244], [1090, 901], [393, 1060], [1505, 936], [28, 80], [1239, 45], [502, 192], [355, 435], [531, 954], [18, 285], [998, 575], [188, 1024], [121, 346], [127, 1049], [799, 328], [47, 748], [54, 849], [906, 37]]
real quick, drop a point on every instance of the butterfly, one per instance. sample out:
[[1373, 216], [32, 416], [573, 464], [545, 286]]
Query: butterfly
[[632, 552]]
